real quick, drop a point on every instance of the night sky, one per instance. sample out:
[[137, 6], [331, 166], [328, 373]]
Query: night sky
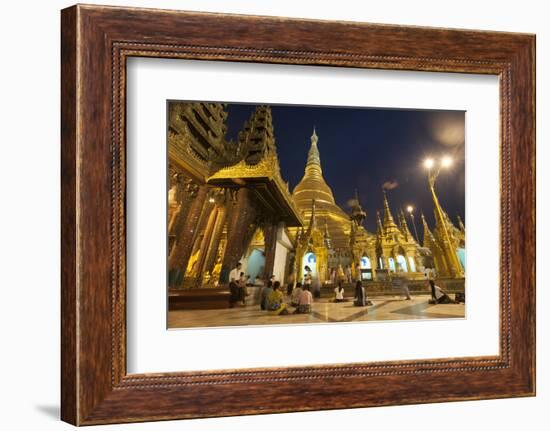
[[365, 148]]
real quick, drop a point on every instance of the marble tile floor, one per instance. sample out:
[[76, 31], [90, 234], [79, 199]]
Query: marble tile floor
[[323, 311]]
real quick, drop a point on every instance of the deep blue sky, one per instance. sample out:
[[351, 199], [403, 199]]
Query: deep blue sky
[[363, 148]]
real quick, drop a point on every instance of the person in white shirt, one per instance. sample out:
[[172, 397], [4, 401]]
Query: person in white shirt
[[234, 279], [339, 293], [295, 297], [304, 304], [235, 273]]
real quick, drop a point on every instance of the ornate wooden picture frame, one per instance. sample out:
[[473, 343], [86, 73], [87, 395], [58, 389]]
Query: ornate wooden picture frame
[[96, 42]]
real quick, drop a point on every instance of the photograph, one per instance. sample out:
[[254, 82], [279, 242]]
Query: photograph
[[295, 214]]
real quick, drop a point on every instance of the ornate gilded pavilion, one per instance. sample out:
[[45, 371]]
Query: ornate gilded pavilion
[[224, 196]]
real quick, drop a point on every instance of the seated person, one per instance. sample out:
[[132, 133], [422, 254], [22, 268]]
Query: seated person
[[339, 293], [360, 296], [275, 300], [242, 289], [306, 299], [295, 297], [266, 291], [258, 281], [439, 296]]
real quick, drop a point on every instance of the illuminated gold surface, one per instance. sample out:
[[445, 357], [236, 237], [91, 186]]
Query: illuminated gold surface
[[314, 187]]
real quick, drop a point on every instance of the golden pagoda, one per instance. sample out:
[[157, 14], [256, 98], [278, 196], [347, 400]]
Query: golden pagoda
[[313, 187]]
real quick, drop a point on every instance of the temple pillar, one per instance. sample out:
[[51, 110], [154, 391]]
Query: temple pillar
[[373, 264], [270, 241], [204, 247], [210, 260], [239, 222], [184, 195], [177, 262]]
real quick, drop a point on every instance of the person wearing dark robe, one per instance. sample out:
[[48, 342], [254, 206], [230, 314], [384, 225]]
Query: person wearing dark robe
[[438, 295], [360, 296]]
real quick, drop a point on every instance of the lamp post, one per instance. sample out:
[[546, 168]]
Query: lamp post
[[433, 173], [410, 210]]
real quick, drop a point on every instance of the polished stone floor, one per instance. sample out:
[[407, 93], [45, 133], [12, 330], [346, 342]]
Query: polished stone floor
[[383, 308]]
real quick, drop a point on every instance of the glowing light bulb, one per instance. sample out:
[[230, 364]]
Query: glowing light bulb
[[446, 161], [410, 209], [429, 163]]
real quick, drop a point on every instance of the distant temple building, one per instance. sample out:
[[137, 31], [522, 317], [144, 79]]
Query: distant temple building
[[392, 249], [228, 203]]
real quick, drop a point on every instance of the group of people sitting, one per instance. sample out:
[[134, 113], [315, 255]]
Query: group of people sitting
[[300, 297], [272, 298], [360, 299]]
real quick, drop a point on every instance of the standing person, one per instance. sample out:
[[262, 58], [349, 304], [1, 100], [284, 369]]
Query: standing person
[[275, 300], [339, 293], [295, 298], [348, 273], [316, 286], [304, 304], [402, 284], [332, 276], [307, 277], [235, 273], [360, 297], [266, 291], [340, 273], [234, 291]]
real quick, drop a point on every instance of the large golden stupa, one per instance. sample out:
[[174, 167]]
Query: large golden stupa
[[313, 187]]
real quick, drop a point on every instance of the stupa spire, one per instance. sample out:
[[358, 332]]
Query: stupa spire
[[379, 228], [357, 213], [428, 235], [388, 218], [403, 225], [313, 165], [312, 220], [461, 224]]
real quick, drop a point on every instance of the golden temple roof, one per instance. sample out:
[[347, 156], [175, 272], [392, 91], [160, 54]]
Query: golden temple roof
[[259, 169]]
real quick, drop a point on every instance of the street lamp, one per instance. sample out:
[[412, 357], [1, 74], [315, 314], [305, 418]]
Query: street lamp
[[444, 163], [430, 163], [410, 210]]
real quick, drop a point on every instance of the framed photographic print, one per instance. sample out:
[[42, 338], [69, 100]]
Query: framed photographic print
[[322, 214]]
